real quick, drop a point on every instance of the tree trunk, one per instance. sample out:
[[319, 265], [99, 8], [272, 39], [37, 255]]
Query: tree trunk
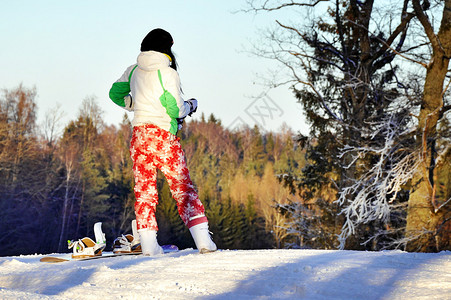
[[425, 218], [65, 206]]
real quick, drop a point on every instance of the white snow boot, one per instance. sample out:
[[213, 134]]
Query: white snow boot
[[149, 243], [202, 238], [129, 243], [86, 247]]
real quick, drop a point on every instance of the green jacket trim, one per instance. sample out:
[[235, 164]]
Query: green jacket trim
[[170, 104]]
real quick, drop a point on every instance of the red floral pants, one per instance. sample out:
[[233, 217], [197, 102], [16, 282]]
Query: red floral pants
[[151, 148]]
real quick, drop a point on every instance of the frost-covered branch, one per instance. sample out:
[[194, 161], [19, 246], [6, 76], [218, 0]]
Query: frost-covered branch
[[442, 205], [370, 197]]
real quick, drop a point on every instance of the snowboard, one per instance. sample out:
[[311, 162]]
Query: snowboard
[[55, 259]]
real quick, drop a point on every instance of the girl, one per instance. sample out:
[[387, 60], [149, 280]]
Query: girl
[[151, 89]]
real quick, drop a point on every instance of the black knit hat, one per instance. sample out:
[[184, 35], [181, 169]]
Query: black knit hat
[[158, 40]]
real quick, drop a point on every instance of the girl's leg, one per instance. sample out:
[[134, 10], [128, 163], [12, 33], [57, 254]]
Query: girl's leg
[[173, 165], [145, 174]]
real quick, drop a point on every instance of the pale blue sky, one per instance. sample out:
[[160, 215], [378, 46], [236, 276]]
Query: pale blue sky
[[71, 50]]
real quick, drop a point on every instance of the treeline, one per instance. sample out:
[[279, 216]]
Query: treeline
[[54, 185]]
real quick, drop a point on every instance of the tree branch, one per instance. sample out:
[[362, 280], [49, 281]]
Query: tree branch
[[428, 29], [265, 7], [402, 28], [391, 48]]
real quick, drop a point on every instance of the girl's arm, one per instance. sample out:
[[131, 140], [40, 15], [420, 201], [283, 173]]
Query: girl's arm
[[120, 90]]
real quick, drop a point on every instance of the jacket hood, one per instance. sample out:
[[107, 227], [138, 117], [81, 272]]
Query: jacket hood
[[152, 60]]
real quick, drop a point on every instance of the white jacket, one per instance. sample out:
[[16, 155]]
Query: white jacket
[[155, 90]]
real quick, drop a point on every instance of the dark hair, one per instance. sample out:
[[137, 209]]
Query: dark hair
[[161, 41]]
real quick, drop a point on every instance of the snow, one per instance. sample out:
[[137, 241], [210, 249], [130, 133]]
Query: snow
[[233, 274]]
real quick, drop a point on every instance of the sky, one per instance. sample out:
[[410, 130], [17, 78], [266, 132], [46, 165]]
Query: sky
[[72, 50]]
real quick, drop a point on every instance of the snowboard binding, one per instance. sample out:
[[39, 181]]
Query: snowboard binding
[[129, 243], [86, 247]]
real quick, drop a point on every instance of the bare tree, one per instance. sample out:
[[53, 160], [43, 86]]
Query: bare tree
[[52, 125]]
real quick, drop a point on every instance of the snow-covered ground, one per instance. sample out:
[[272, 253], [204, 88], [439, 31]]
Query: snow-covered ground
[[227, 274]]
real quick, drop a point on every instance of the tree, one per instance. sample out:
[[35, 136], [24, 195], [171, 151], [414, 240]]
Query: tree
[[119, 175], [18, 132], [84, 171], [23, 174], [429, 215], [424, 165]]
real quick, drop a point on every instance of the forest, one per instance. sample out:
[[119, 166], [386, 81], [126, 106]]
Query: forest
[[373, 173], [56, 185]]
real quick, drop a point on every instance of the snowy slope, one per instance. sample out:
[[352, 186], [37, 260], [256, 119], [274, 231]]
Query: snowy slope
[[256, 274]]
